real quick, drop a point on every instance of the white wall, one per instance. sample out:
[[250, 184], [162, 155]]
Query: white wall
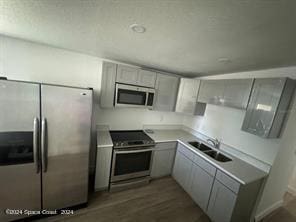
[[292, 182], [282, 168], [23, 60]]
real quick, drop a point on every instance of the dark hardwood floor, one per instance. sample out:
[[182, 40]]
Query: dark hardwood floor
[[161, 200]]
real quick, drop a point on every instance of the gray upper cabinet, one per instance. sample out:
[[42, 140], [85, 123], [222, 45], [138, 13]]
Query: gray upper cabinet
[[146, 78], [187, 97], [227, 92], [268, 106], [166, 92], [237, 93], [108, 84], [211, 91], [135, 76], [127, 74]]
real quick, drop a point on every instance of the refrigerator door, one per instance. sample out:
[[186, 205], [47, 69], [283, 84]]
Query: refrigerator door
[[20, 180], [66, 128]]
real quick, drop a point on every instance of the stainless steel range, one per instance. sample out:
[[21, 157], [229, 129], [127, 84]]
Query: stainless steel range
[[132, 159]]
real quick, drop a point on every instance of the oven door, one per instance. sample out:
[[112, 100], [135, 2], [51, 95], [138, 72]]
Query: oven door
[[130, 96], [128, 164]]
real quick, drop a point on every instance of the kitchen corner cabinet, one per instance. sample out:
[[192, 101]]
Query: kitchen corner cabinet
[[187, 97], [135, 76], [166, 92], [226, 92], [268, 106], [163, 159], [104, 155], [108, 84]]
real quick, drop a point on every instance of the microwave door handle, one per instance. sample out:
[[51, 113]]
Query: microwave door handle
[[147, 97], [133, 151]]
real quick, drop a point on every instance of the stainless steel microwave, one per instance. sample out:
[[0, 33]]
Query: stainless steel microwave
[[133, 96]]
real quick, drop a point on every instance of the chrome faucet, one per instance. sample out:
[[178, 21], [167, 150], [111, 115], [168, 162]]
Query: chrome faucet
[[215, 142]]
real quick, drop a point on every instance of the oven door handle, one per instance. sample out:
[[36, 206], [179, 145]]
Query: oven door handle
[[133, 151]]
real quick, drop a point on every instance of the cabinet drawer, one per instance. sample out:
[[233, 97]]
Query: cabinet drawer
[[204, 165], [228, 181], [165, 146], [185, 151]]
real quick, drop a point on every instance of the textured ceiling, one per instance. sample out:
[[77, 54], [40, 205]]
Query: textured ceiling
[[183, 36]]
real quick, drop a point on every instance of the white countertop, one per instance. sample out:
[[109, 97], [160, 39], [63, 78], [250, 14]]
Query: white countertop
[[104, 139], [238, 169]]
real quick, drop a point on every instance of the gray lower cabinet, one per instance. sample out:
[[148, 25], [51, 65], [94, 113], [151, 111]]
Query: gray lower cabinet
[[268, 106], [108, 84], [104, 155], [182, 170], [221, 203], [166, 92], [201, 185], [163, 159], [219, 195]]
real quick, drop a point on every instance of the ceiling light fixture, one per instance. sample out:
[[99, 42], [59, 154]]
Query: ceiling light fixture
[[224, 60], [138, 28]]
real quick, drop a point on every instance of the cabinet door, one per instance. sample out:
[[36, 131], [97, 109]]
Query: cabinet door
[[182, 171], [264, 101], [187, 96], [108, 84], [201, 185], [127, 74], [146, 78], [221, 204], [162, 162], [211, 91], [166, 92], [103, 167], [237, 93]]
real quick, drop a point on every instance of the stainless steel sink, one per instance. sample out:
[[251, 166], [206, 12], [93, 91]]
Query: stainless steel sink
[[199, 146], [218, 156], [210, 152]]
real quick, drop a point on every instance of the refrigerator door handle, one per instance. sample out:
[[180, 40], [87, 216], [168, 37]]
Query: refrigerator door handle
[[35, 143], [44, 144]]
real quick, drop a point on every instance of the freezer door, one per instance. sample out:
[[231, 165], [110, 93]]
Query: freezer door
[[66, 127], [20, 180]]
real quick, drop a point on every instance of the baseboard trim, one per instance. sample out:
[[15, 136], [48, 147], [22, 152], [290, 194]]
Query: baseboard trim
[[268, 210], [291, 190]]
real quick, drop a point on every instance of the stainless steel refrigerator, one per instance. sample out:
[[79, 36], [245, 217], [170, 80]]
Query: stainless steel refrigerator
[[45, 139]]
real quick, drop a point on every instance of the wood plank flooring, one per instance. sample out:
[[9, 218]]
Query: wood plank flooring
[[286, 213], [160, 201]]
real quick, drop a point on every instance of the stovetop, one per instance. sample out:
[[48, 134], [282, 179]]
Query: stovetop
[[130, 138]]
